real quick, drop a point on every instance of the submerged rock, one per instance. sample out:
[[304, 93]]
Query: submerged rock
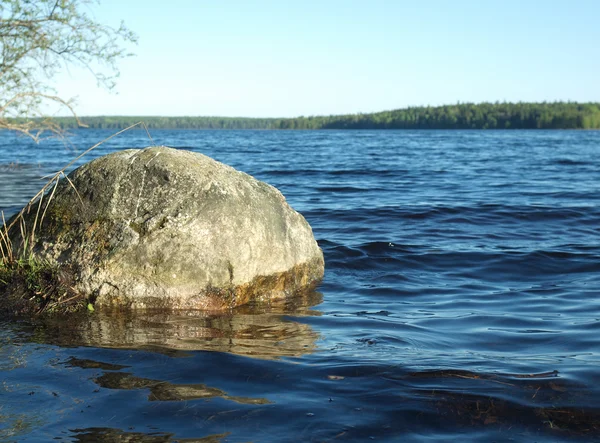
[[166, 228]]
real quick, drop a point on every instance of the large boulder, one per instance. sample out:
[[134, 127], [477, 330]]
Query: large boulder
[[167, 228]]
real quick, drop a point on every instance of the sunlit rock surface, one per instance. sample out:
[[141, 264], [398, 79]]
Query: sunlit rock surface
[[167, 228]]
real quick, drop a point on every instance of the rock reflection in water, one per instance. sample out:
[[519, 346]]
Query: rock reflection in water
[[91, 364], [166, 391], [261, 331], [109, 435]]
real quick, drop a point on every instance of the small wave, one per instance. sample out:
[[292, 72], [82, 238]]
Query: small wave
[[486, 265], [455, 214], [344, 189], [568, 162]]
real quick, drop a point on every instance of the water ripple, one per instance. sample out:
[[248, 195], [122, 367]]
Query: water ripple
[[460, 301]]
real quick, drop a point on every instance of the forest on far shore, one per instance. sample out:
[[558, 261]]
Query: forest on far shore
[[556, 115]]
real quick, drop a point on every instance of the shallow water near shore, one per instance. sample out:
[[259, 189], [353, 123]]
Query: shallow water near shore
[[461, 300]]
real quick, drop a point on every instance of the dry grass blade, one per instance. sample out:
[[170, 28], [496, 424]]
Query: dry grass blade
[[56, 176], [49, 200], [73, 186], [35, 220], [98, 144], [5, 243], [23, 232], [148, 133]]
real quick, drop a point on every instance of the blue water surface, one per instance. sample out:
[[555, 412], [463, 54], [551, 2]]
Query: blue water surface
[[461, 300]]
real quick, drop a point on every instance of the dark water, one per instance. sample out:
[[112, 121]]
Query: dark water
[[461, 301]]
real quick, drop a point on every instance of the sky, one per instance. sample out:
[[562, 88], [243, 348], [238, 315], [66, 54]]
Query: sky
[[259, 58]]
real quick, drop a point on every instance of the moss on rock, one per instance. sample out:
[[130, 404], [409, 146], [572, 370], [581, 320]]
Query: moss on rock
[[32, 287]]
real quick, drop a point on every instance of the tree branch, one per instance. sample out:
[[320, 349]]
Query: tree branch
[[37, 39]]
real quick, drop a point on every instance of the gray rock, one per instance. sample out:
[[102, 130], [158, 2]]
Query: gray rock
[[166, 228]]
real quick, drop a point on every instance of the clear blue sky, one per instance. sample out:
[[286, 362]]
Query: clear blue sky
[[283, 58]]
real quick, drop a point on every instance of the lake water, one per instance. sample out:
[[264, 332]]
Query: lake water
[[461, 300]]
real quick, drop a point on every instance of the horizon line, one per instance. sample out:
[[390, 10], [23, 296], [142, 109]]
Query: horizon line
[[335, 115]]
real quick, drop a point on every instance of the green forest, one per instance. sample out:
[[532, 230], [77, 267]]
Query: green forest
[[556, 115]]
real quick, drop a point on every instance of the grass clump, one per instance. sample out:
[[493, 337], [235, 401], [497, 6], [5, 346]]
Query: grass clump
[[29, 285]]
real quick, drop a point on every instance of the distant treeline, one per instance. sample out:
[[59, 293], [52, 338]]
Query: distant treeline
[[557, 115]]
